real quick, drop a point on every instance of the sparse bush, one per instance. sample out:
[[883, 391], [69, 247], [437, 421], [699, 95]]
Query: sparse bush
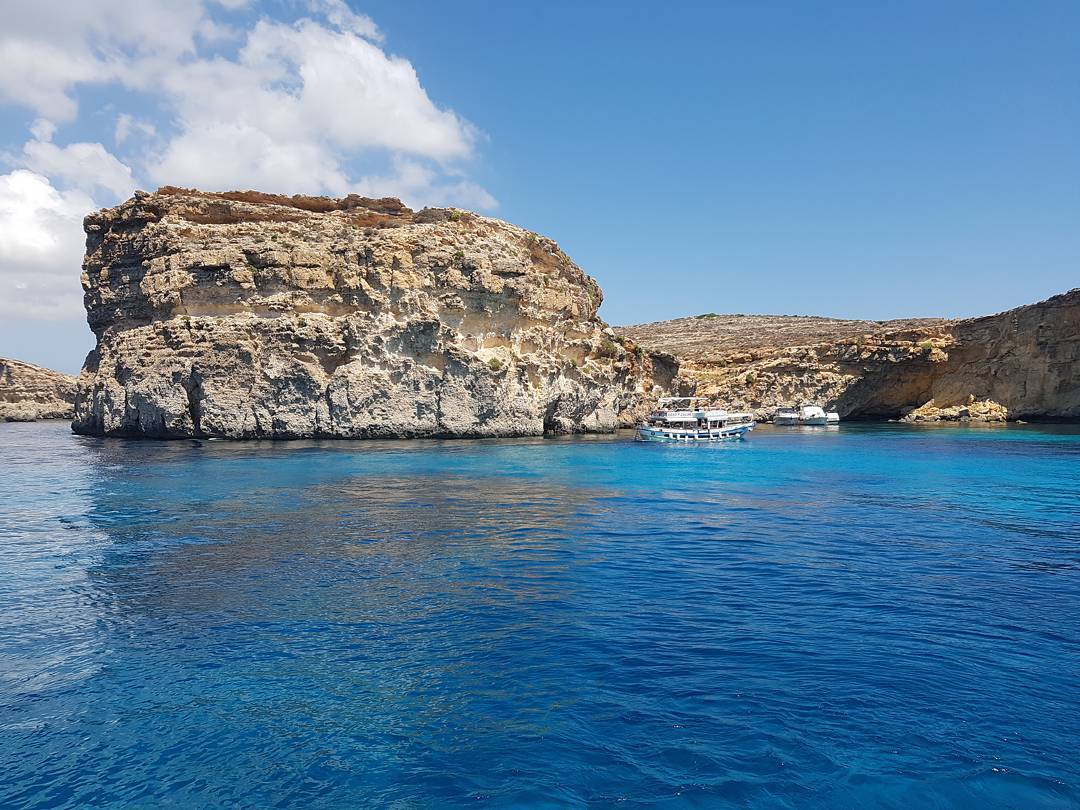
[[495, 364], [927, 346], [595, 296], [707, 315], [749, 378], [607, 350]]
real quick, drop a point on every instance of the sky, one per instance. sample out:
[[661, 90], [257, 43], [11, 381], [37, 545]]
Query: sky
[[865, 160]]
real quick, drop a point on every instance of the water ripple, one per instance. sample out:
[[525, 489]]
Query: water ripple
[[876, 616]]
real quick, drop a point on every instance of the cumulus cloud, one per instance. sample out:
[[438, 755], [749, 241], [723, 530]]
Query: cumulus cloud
[[48, 47], [41, 246], [418, 185], [128, 125], [296, 102], [245, 102], [85, 166]]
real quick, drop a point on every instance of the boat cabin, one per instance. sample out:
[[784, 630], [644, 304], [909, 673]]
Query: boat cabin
[[692, 414]]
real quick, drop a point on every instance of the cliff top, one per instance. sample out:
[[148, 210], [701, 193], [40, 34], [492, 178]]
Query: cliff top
[[234, 207], [707, 336], [711, 337], [8, 365]]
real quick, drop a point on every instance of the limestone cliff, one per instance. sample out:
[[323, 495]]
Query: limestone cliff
[[29, 393], [1020, 364], [249, 315]]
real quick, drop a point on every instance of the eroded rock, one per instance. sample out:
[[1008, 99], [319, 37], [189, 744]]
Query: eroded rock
[[29, 393], [248, 315], [1024, 362]]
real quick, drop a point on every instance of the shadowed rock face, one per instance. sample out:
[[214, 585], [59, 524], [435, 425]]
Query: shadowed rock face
[[29, 393], [1023, 364], [248, 315]]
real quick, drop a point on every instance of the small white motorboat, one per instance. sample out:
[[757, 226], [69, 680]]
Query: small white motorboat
[[805, 415], [687, 419]]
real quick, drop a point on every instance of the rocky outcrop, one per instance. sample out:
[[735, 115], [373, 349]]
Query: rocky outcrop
[[248, 315], [1023, 364], [974, 411], [29, 393]]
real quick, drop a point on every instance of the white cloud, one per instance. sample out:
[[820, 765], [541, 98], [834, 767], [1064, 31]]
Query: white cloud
[[47, 47], [278, 106], [338, 13], [41, 246], [235, 155], [418, 185], [290, 111], [86, 166], [294, 104], [37, 75], [127, 125], [43, 130]]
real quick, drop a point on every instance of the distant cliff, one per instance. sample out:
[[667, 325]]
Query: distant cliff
[[29, 393], [250, 315], [1020, 364]]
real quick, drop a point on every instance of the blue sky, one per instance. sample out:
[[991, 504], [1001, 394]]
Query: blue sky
[[852, 159]]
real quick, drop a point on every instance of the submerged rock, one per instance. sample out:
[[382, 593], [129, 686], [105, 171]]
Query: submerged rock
[[247, 315], [29, 393], [1020, 364]]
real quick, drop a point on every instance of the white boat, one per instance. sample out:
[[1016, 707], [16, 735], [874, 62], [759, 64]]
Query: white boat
[[690, 419], [805, 415]]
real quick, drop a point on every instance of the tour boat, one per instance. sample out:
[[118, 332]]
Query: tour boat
[[805, 415], [690, 419]]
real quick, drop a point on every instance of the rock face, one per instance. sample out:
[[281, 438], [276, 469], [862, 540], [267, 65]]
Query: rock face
[[248, 315], [1020, 364], [29, 393]]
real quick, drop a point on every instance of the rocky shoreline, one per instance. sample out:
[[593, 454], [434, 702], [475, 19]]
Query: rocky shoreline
[[250, 315], [1019, 364], [29, 393]]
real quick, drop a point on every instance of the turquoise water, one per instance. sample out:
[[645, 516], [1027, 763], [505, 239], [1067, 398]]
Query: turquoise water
[[869, 616]]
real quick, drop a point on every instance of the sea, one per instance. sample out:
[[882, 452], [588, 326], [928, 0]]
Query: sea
[[865, 616]]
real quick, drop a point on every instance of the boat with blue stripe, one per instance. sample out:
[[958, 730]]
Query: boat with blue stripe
[[693, 419]]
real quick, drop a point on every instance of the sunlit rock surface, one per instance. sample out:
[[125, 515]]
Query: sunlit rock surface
[[29, 392], [1020, 364], [248, 315]]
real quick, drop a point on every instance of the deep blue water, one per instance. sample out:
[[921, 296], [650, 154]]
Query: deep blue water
[[869, 616]]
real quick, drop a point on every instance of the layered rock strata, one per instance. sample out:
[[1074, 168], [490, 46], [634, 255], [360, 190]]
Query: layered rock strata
[[1020, 364], [29, 393], [248, 315]]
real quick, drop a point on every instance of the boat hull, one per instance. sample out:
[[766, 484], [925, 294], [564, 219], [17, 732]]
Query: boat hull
[[798, 420], [648, 433]]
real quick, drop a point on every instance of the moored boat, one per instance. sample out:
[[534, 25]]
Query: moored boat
[[691, 419], [805, 415]]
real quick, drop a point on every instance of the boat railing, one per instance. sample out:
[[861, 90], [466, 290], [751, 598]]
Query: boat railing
[[694, 416]]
